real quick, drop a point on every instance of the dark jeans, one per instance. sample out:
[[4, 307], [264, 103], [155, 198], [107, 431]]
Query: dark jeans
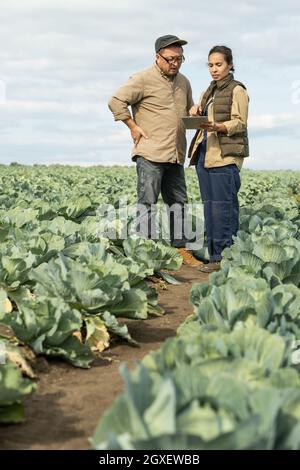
[[168, 179], [219, 189]]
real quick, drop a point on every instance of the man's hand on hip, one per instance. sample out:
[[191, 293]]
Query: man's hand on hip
[[136, 134], [136, 131]]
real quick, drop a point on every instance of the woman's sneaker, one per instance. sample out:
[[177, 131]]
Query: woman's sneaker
[[210, 267]]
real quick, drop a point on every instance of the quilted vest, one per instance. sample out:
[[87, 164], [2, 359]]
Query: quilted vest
[[236, 145]]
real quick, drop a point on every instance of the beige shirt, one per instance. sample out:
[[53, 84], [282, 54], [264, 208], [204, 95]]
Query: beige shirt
[[237, 123], [158, 104]]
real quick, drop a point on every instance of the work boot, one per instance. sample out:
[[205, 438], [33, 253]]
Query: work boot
[[210, 267], [188, 258]]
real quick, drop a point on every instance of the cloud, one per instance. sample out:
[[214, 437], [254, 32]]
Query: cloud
[[263, 160], [275, 124]]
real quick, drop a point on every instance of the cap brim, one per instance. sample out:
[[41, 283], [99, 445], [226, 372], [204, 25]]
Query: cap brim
[[182, 42]]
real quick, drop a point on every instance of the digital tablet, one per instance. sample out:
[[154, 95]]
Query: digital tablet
[[194, 122]]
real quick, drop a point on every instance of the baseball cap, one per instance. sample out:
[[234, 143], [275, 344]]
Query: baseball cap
[[167, 40]]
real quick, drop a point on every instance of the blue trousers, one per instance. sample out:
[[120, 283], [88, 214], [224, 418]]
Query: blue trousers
[[219, 192]]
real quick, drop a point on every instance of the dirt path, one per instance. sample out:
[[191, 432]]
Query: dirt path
[[69, 402]]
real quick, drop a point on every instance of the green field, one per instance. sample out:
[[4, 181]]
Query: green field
[[229, 380]]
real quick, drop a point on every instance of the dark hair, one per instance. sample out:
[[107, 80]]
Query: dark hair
[[227, 53]]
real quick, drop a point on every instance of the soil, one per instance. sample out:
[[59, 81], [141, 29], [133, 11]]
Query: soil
[[65, 409]]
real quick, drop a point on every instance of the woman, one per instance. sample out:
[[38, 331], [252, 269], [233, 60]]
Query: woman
[[218, 150]]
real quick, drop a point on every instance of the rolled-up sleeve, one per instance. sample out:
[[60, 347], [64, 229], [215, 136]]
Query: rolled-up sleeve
[[239, 112], [129, 94]]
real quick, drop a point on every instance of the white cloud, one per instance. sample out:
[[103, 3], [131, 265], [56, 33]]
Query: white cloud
[[271, 161], [33, 107], [274, 121]]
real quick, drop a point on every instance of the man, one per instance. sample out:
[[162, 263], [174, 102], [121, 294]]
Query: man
[[159, 97]]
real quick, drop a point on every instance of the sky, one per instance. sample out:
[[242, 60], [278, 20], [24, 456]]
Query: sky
[[61, 60]]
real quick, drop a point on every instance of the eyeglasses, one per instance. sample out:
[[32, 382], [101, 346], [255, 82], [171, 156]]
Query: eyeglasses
[[173, 60]]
